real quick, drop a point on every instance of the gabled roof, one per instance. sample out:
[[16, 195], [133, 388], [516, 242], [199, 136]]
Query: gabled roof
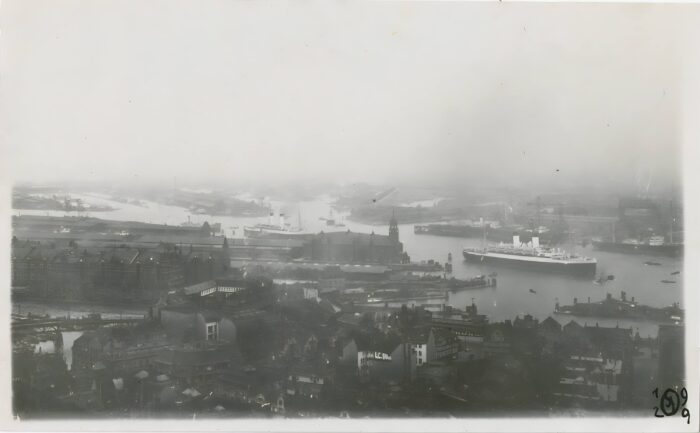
[[526, 322], [550, 324], [200, 287], [572, 326]]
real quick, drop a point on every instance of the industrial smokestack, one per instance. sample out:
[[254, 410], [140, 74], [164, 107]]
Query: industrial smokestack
[[281, 220]]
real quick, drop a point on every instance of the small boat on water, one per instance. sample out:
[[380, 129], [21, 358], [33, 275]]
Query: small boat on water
[[675, 272], [603, 279], [533, 291], [668, 281], [652, 263]]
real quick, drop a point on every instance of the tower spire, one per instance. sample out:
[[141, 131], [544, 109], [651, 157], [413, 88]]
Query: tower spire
[[393, 228]]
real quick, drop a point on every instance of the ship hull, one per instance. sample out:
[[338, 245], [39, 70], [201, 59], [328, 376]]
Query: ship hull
[[285, 236], [257, 232], [251, 232], [576, 269], [673, 250]]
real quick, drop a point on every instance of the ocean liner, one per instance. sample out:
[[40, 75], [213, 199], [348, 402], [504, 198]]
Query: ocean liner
[[532, 256], [270, 230]]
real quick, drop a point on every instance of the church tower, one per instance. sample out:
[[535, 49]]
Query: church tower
[[393, 229], [225, 256]]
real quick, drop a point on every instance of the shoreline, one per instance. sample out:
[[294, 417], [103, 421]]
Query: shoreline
[[76, 307]]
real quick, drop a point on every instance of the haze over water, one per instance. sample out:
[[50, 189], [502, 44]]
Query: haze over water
[[512, 296]]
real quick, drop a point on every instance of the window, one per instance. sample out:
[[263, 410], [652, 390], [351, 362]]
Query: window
[[212, 331]]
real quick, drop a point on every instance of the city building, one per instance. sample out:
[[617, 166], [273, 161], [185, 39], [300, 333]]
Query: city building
[[349, 247]]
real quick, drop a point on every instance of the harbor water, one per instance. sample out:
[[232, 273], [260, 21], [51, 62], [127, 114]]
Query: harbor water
[[512, 296]]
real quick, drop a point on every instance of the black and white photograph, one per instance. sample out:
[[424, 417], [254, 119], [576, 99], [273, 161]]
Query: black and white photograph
[[343, 216]]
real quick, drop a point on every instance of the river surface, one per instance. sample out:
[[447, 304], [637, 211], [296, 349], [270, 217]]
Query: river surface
[[510, 298], [68, 340]]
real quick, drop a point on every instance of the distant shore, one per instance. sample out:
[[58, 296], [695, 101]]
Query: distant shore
[[61, 308]]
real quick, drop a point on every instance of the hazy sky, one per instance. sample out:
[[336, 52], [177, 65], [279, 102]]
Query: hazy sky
[[344, 91]]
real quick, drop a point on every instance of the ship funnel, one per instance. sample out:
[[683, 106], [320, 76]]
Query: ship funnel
[[535, 242], [516, 240]]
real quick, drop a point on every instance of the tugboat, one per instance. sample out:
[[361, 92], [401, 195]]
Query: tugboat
[[603, 279]]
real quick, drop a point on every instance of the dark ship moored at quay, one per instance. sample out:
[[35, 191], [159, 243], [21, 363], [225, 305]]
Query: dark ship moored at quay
[[611, 308], [658, 239]]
